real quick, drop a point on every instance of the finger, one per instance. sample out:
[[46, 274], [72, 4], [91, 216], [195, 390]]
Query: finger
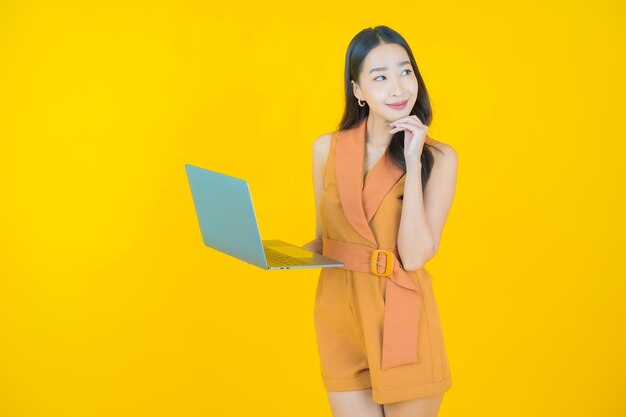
[[406, 123], [400, 130], [400, 127], [411, 120], [402, 120], [417, 119], [407, 126]]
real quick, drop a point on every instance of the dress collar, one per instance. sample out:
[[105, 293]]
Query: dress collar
[[361, 203]]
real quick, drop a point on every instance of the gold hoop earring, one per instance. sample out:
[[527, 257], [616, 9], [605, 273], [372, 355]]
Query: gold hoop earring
[[360, 104]]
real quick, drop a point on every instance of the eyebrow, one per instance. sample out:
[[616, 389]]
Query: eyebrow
[[386, 68]]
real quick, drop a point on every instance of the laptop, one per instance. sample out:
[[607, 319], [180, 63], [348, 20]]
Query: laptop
[[228, 224]]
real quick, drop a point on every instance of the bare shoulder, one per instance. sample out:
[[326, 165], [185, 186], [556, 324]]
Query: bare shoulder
[[443, 151], [321, 146], [322, 143]]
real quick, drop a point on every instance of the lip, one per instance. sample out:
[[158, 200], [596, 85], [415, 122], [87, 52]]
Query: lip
[[399, 106]]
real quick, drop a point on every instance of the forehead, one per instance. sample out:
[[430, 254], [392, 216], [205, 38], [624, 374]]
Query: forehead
[[385, 55]]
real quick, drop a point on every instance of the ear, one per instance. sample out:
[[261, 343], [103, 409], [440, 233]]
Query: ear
[[356, 90]]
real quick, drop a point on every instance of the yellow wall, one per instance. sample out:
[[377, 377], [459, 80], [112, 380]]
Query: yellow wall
[[111, 306]]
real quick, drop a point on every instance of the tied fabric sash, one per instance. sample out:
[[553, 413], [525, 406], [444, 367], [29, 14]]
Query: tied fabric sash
[[402, 301]]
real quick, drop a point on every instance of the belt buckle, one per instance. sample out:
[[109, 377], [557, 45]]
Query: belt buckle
[[388, 262]]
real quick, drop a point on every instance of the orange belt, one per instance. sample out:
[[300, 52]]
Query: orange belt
[[402, 300]]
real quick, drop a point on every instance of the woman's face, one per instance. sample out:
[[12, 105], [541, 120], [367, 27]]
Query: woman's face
[[387, 77]]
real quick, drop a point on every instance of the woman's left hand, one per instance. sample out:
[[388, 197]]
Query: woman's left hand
[[414, 136]]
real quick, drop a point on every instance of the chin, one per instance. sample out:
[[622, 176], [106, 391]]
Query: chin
[[389, 115], [398, 114]]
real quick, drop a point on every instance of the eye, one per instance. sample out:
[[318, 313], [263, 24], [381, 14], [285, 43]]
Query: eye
[[383, 75]]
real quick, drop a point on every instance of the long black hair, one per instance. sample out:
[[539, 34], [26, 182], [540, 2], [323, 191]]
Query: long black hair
[[359, 47]]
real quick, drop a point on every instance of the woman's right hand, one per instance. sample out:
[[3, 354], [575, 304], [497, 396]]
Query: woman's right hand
[[314, 246]]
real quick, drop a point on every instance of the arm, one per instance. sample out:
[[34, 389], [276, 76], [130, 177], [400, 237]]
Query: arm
[[320, 150], [423, 216]]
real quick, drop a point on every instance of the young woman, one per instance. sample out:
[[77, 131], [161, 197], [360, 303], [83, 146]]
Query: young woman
[[383, 190]]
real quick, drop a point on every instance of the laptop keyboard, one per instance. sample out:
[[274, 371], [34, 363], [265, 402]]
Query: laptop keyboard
[[275, 258]]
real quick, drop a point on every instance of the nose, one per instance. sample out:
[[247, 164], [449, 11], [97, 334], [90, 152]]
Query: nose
[[396, 88]]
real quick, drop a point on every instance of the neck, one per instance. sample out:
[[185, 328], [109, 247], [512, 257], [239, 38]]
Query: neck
[[377, 132]]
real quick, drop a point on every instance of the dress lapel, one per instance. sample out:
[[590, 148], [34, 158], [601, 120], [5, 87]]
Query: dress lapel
[[361, 203]]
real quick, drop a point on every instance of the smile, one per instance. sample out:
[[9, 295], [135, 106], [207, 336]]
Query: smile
[[399, 106]]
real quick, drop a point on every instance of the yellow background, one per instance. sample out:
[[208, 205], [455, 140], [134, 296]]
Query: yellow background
[[110, 305]]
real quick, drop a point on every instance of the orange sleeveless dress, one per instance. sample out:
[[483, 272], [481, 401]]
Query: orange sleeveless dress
[[377, 325]]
